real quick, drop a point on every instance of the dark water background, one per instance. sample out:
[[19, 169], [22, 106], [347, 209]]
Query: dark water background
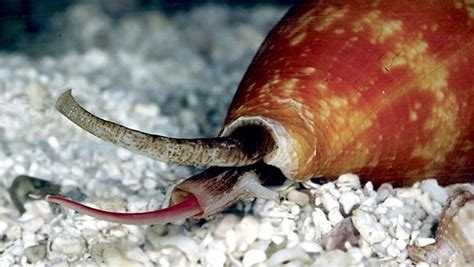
[[24, 24]]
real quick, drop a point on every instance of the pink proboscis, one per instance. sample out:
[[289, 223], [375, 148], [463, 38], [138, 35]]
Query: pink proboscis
[[187, 208]]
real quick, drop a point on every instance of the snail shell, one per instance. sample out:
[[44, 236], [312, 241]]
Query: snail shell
[[383, 89]]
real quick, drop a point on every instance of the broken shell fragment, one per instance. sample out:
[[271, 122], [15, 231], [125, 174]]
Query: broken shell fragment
[[455, 234]]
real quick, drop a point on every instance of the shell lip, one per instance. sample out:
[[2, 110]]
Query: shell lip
[[283, 156]]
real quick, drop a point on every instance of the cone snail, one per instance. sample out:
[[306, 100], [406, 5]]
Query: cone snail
[[383, 89]]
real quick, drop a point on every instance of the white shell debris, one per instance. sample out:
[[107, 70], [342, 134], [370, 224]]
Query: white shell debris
[[247, 231], [67, 244], [254, 256], [288, 255], [435, 191], [348, 180], [215, 258], [298, 197], [367, 225], [172, 75], [3, 228], [423, 241], [334, 258], [184, 243], [348, 200], [35, 253]]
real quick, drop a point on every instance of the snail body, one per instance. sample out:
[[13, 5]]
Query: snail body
[[383, 89]]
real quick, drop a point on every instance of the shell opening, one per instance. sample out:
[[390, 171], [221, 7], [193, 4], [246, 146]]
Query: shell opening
[[282, 153]]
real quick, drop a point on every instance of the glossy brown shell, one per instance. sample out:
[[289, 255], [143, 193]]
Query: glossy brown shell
[[384, 89]]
